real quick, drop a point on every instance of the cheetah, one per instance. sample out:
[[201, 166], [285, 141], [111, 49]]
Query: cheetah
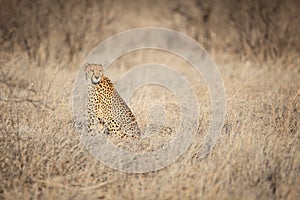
[[107, 111]]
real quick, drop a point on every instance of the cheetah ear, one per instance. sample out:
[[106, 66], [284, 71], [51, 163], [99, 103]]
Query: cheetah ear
[[86, 65], [101, 67]]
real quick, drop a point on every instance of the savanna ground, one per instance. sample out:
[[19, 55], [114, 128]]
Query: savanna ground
[[256, 46]]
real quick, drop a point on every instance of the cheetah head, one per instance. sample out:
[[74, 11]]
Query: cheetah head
[[94, 72]]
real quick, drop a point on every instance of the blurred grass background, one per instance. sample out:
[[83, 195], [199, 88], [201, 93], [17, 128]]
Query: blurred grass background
[[256, 47]]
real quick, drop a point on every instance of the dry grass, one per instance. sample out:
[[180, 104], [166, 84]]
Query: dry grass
[[256, 46]]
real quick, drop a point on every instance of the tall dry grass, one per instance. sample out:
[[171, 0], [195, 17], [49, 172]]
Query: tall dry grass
[[256, 46]]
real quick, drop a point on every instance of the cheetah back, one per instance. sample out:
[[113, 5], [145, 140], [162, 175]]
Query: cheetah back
[[124, 116]]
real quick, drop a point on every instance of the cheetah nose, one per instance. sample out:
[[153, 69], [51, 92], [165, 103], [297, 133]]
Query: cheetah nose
[[95, 80]]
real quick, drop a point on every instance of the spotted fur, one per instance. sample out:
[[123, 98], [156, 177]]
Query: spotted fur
[[107, 111]]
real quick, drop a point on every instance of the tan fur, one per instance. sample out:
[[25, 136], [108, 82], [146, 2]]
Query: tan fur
[[107, 111]]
